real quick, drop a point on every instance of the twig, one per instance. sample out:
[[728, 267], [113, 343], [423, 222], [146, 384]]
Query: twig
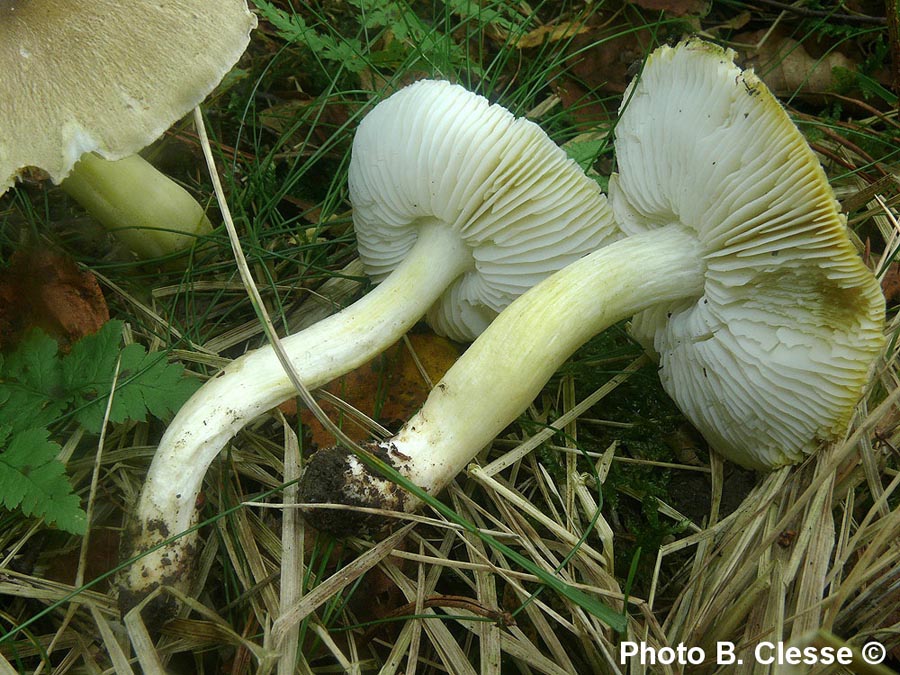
[[256, 298], [862, 19], [500, 617]]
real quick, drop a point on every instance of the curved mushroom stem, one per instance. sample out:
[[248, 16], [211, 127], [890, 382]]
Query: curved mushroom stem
[[148, 211], [504, 369], [256, 382]]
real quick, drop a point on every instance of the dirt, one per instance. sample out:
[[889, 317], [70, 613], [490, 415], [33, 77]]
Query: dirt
[[329, 480]]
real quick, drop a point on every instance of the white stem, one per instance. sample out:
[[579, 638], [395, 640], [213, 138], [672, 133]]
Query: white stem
[[256, 382], [144, 208], [506, 367]]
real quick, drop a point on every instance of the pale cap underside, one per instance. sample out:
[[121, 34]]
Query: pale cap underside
[[772, 359], [106, 76], [435, 151]]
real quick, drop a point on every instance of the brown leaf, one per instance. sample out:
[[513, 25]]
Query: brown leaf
[[890, 284], [389, 388], [102, 556], [610, 64], [786, 66], [599, 66], [46, 290], [302, 120], [550, 33]]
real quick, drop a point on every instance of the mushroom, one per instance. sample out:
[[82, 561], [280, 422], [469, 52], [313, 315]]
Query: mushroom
[[458, 208], [737, 269], [97, 81]]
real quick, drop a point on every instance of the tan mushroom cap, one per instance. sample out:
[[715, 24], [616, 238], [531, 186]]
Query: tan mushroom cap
[[771, 360], [106, 76]]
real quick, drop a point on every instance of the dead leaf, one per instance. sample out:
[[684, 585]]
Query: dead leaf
[[548, 34], [890, 283], [609, 62], [786, 66], [600, 66], [302, 120], [388, 389], [102, 556], [46, 290], [736, 22]]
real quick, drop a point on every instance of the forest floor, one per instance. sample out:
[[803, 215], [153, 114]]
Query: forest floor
[[621, 501]]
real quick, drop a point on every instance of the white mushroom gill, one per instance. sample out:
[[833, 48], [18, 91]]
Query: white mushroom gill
[[771, 360], [438, 177], [738, 266]]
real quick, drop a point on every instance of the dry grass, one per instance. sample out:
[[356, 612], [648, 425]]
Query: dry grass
[[811, 551]]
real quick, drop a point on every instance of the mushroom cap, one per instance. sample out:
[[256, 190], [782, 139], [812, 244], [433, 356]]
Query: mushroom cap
[[772, 359], [106, 76], [435, 151]]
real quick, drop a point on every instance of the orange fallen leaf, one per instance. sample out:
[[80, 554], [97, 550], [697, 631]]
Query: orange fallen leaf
[[389, 389], [46, 290]]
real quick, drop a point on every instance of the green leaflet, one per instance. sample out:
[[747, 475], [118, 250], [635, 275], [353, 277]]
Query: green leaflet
[[33, 480], [40, 389]]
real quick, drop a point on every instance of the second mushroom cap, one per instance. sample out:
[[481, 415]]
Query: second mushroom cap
[[771, 359]]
